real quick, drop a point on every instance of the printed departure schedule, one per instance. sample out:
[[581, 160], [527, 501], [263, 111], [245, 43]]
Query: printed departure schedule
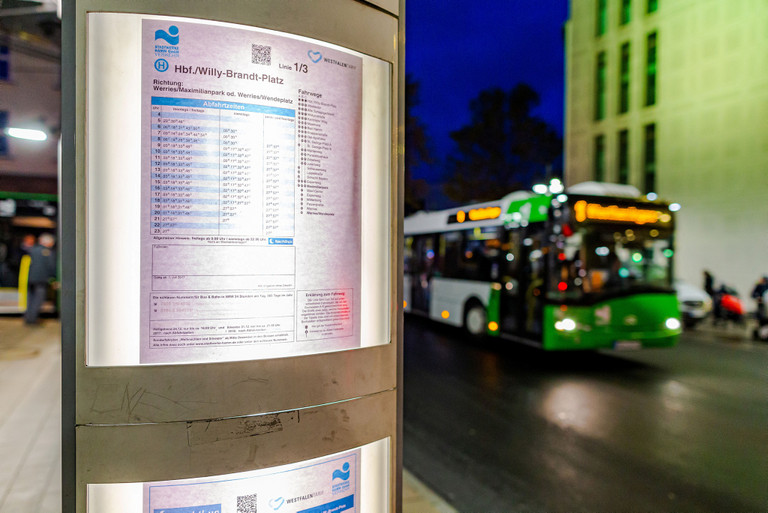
[[324, 485], [250, 232]]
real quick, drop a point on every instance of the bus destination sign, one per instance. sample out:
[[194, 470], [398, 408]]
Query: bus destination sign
[[590, 211], [475, 214]]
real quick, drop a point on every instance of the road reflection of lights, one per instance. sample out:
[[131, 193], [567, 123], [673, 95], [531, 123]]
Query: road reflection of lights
[[674, 388], [575, 406], [489, 370], [675, 396]]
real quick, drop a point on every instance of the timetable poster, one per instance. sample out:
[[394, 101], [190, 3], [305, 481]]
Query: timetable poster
[[250, 238], [324, 485]]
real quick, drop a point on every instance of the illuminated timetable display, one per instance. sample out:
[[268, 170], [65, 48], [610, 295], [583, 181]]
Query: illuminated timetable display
[[203, 157], [251, 151]]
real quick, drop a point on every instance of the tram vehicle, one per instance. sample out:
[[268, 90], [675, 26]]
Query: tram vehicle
[[587, 269], [23, 217]]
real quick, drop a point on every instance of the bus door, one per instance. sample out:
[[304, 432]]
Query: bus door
[[511, 301], [522, 287], [423, 268]]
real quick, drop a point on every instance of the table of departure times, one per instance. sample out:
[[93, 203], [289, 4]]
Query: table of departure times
[[222, 168]]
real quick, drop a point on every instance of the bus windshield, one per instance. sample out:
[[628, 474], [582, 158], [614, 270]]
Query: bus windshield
[[595, 261]]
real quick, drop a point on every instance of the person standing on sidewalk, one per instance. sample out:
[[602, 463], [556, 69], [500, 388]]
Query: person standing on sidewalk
[[42, 269], [758, 294]]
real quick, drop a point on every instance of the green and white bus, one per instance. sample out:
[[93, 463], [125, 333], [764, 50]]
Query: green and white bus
[[587, 269]]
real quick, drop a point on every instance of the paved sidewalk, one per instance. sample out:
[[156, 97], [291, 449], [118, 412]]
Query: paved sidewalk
[[417, 498], [30, 417], [30, 424]]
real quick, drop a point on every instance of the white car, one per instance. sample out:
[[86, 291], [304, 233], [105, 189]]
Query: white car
[[695, 304]]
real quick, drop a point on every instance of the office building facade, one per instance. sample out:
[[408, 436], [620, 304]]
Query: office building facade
[[671, 96]]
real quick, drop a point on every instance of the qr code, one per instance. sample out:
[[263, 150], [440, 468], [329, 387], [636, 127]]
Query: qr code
[[261, 54], [246, 503]]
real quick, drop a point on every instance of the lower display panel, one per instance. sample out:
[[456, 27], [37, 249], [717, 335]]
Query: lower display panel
[[357, 480]]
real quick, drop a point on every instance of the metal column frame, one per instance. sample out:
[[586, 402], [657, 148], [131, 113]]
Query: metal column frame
[[378, 388]]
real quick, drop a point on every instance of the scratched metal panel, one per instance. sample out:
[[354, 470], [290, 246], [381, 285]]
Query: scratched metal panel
[[178, 450], [392, 6], [122, 395]]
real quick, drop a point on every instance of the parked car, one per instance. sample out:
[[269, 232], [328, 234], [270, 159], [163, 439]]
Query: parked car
[[695, 304]]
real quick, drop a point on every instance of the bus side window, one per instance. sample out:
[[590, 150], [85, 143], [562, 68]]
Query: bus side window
[[425, 254], [408, 255], [450, 254], [512, 258], [479, 251]]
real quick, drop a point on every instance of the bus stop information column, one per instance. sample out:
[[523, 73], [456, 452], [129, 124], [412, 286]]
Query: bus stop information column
[[251, 210], [247, 357]]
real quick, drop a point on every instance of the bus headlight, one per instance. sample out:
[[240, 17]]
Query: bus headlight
[[672, 323], [565, 325]]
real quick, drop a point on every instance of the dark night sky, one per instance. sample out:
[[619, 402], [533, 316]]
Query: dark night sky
[[455, 49]]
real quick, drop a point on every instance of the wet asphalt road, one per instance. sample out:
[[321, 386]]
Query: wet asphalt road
[[495, 427]]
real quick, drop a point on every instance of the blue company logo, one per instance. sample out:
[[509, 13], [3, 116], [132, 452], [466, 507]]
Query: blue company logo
[[314, 56], [161, 65], [171, 37], [342, 474], [276, 503]]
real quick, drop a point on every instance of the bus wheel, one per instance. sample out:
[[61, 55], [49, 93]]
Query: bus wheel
[[474, 319]]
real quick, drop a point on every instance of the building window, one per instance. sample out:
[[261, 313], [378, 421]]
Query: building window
[[600, 158], [3, 137], [650, 69], [5, 65], [623, 170], [649, 159], [625, 14], [624, 79], [601, 17], [600, 86], [652, 6]]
